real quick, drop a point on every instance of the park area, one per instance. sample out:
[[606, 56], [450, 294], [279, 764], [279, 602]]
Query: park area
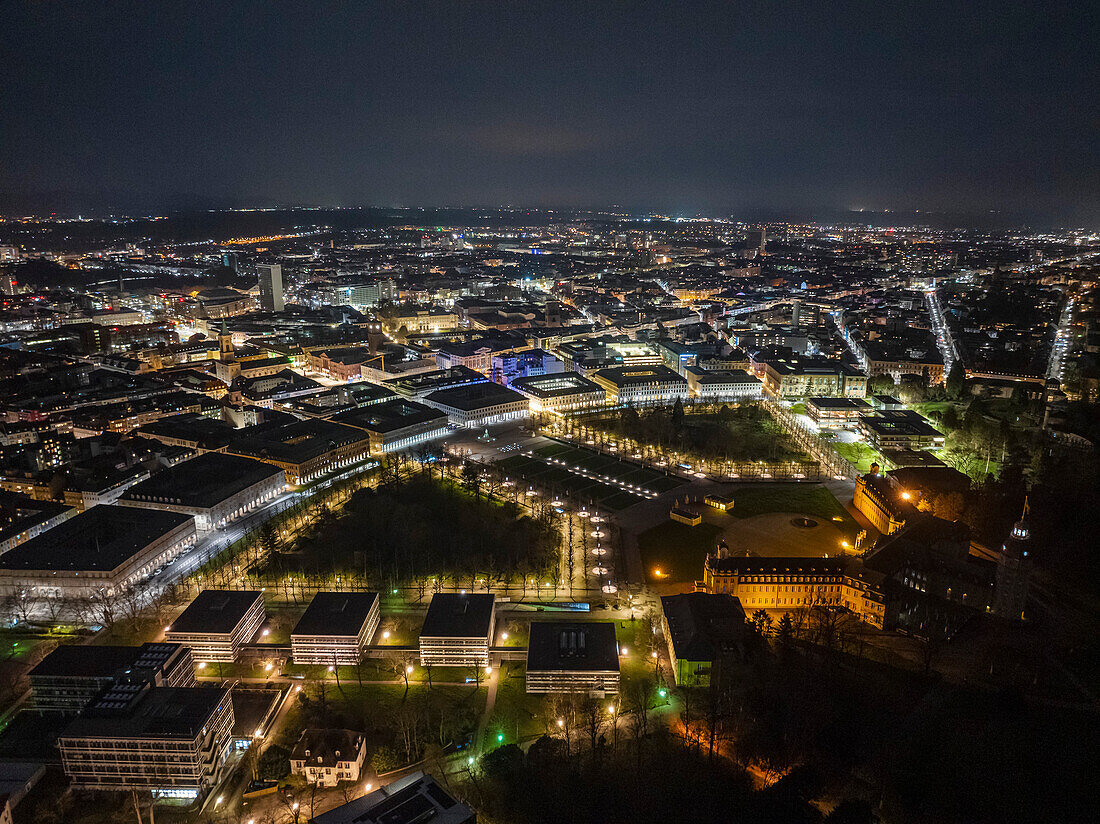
[[739, 434], [418, 529], [783, 519], [587, 477]]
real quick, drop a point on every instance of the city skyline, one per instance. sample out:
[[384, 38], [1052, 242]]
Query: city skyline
[[718, 109]]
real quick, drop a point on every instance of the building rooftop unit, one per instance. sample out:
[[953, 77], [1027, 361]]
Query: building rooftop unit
[[390, 415], [572, 646], [555, 385], [202, 482], [701, 624], [142, 711], [414, 799], [336, 613], [98, 539], [108, 661], [214, 611], [475, 396], [452, 615], [634, 375]]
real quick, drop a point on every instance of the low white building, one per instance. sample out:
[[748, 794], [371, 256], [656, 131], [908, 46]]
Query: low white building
[[103, 551], [479, 404], [216, 489], [217, 622], [458, 630], [560, 392], [573, 656], [335, 628], [327, 757], [723, 385], [641, 385]]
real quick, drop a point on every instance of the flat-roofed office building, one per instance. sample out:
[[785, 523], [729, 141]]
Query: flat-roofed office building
[[104, 550], [458, 630], [335, 628], [479, 404], [413, 799], [73, 674], [304, 450], [641, 385], [396, 424], [575, 656], [217, 622], [216, 489], [174, 741], [560, 392]]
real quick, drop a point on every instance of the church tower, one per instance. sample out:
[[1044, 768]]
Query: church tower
[[1013, 571], [225, 343]]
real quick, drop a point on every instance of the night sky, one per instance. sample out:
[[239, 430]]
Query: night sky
[[963, 107]]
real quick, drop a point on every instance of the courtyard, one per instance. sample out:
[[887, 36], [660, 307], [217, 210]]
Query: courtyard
[[784, 519]]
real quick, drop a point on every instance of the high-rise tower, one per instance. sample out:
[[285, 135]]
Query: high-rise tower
[[271, 286], [1013, 571]]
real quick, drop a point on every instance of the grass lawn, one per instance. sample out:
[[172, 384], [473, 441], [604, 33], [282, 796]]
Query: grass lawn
[[859, 454], [808, 499], [517, 715], [677, 550]]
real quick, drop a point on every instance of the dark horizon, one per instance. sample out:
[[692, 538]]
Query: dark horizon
[[719, 109]]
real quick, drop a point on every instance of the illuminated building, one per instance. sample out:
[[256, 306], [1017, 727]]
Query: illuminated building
[[573, 657], [563, 392], [882, 502], [335, 628], [174, 741], [641, 385], [217, 622], [271, 286], [457, 630]]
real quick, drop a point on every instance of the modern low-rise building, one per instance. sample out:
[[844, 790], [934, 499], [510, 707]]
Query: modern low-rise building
[[573, 657], [173, 741], [216, 489], [335, 628], [902, 429], [701, 629], [836, 412], [72, 675], [103, 551], [641, 385], [560, 392], [217, 622], [396, 424], [413, 799], [479, 404], [458, 630], [722, 385]]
